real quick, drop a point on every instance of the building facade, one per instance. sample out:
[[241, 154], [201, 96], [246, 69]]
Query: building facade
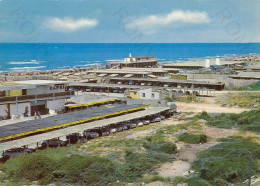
[[29, 98]]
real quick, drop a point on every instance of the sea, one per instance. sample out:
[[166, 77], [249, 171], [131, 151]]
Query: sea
[[48, 56]]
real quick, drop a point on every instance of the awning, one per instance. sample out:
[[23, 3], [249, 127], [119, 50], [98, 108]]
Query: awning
[[66, 74], [101, 75], [113, 75], [128, 75], [63, 78], [152, 76]]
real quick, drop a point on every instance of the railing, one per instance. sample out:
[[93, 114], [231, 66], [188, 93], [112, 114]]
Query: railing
[[33, 97]]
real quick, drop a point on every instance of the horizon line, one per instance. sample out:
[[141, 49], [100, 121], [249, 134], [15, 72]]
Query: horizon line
[[128, 43]]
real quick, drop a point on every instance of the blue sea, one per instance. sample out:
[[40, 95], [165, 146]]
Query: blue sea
[[46, 56]]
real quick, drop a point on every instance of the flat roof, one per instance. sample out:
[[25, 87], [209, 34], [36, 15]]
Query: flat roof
[[123, 86], [29, 84], [41, 82], [120, 86], [144, 69], [200, 63], [79, 128], [166, 81], [76, 117], [117, 72]]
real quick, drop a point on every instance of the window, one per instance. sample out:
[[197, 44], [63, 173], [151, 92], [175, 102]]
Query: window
[[143, 95], [152, 95]]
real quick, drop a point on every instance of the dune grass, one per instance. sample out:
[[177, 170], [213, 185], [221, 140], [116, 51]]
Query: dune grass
[[227, 162], [247, 121]]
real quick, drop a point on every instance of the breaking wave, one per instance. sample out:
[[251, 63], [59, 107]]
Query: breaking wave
[[27, 68]]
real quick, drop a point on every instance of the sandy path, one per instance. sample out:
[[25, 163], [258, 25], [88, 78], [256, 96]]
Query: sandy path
[[188, 152], [210, 108]]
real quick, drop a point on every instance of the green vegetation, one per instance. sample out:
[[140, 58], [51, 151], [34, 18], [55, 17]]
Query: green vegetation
[[81, 169], [193, 138], [168, 99], [150, 179], [180, 179], [242, 99], [227, 162], [248, 121], [255, 86], [130, 161], [157, 143], [188, 98]]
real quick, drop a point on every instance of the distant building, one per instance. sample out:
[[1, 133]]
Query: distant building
[[26, 98], [144, 94], [178, 76], [136, 62]]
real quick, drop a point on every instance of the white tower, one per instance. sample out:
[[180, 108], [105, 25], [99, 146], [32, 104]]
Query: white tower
[[207, 65], [130, 55]]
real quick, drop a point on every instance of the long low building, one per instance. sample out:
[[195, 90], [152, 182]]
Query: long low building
[[168, 83], [31, 140], [21, 129], [26, 98]]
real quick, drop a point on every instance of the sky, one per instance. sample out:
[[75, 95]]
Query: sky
[[129, 21]]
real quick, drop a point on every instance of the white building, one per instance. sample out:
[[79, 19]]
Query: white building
[[26, 98]]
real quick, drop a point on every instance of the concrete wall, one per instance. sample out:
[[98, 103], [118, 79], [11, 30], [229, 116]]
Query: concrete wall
[[14, 110], [154, 102], [3, 111], [214, 78], [148, 94], [45, 90], [237, 83], [210, 77], [13, 92], [134, 95], [56, 105]]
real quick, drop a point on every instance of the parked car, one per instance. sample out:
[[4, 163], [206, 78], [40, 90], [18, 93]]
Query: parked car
[[146, 122], [15, 151], [140, 123], [113, 130], [119, 128], [125, 127], [157, 119], [90, 134], [73, 138], [53, 143], [105, 132], [162, 117]]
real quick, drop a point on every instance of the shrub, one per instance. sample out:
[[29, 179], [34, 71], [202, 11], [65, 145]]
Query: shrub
[[32, 167], [180, 179], [193, 138], [150, 179], [168, 99], [90, 170], [196, 181], [166, 147], [246, 120], [228, 162], [156, 142], [203, 115], [137, 164]]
